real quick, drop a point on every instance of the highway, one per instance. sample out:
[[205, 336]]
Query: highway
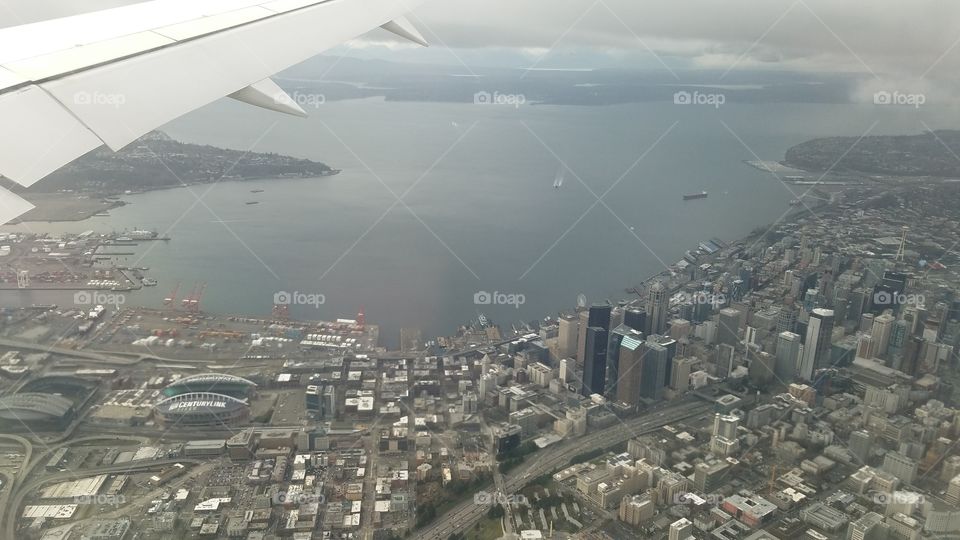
[[464, 515], [18, 489]]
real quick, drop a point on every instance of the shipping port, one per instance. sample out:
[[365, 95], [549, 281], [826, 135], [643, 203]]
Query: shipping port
[[84, 261]]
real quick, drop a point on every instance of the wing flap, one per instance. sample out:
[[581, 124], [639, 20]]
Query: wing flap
[[38, 136], [158, 86], [12, 206]]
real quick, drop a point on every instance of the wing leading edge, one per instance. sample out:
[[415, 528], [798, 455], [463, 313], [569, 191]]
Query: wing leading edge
[[69, 85]]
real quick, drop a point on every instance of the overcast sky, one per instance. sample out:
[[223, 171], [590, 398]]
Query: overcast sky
[[908, 43]]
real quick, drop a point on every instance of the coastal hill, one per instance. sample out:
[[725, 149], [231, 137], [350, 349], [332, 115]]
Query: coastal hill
[[157, 161], [927, 154]]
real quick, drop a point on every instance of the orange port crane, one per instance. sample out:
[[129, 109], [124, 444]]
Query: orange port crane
[[172, 297], [192, 302]]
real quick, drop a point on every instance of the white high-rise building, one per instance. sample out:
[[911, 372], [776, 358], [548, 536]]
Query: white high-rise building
[[882, 328], [816, 347], [681, 529]]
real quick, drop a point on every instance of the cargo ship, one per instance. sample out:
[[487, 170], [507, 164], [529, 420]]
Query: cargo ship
[[694, 196]]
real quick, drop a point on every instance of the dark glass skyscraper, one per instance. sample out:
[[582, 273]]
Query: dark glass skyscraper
[[595, 361]]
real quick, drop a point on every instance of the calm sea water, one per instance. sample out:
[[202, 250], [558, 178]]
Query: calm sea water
[[477, 210]]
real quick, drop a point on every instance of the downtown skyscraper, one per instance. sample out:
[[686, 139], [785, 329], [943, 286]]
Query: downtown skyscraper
[[816, 346]]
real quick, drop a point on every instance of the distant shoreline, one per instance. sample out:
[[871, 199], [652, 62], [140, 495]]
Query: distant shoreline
[[55, 207]]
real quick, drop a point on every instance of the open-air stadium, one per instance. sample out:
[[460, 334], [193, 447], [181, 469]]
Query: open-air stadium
[[201, 409], [218, 383]]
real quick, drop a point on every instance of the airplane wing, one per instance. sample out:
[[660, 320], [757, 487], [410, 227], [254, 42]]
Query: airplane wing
[[69, 85]]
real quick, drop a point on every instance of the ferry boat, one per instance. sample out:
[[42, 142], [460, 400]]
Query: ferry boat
[[694, 196]]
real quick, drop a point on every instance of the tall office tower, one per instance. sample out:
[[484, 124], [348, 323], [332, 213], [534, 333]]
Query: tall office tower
[[583, 318], [816, 347], [811, 300], [841, 301], [900, 466], [870, 526], [857, 302], [749, 336], [866, 322], [728, 332], [595, 361], [599, 316], [567, 335], [787, 318], [630, 369], [565, 369], [617, 315], [658, 305], [866, 346], [953, 491], [613, 355], [672, 346], [725, 425], [882, 329], [898, 335], [861, 444], [636, 319], [703, 306], [761, 369], [681, 529], [724, 360], [709, 477], [653, 374], [910, 364], [680, 373], [788, 354]]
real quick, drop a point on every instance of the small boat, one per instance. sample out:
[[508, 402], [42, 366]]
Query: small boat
[[256, 191], [558, 178], [694, 196], [147, 282], [795, 202], [253, 202]]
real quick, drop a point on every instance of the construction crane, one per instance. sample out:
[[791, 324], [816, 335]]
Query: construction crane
[[172, 297]]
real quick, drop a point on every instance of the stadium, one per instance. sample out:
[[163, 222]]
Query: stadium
[[194, 409], [217, 383], [36, 409]]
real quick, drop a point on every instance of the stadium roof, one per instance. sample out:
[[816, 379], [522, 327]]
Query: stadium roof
[[211, 379], [193, 402], [34, 404]]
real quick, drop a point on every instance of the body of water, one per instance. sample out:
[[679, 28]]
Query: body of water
[[477, 208]]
